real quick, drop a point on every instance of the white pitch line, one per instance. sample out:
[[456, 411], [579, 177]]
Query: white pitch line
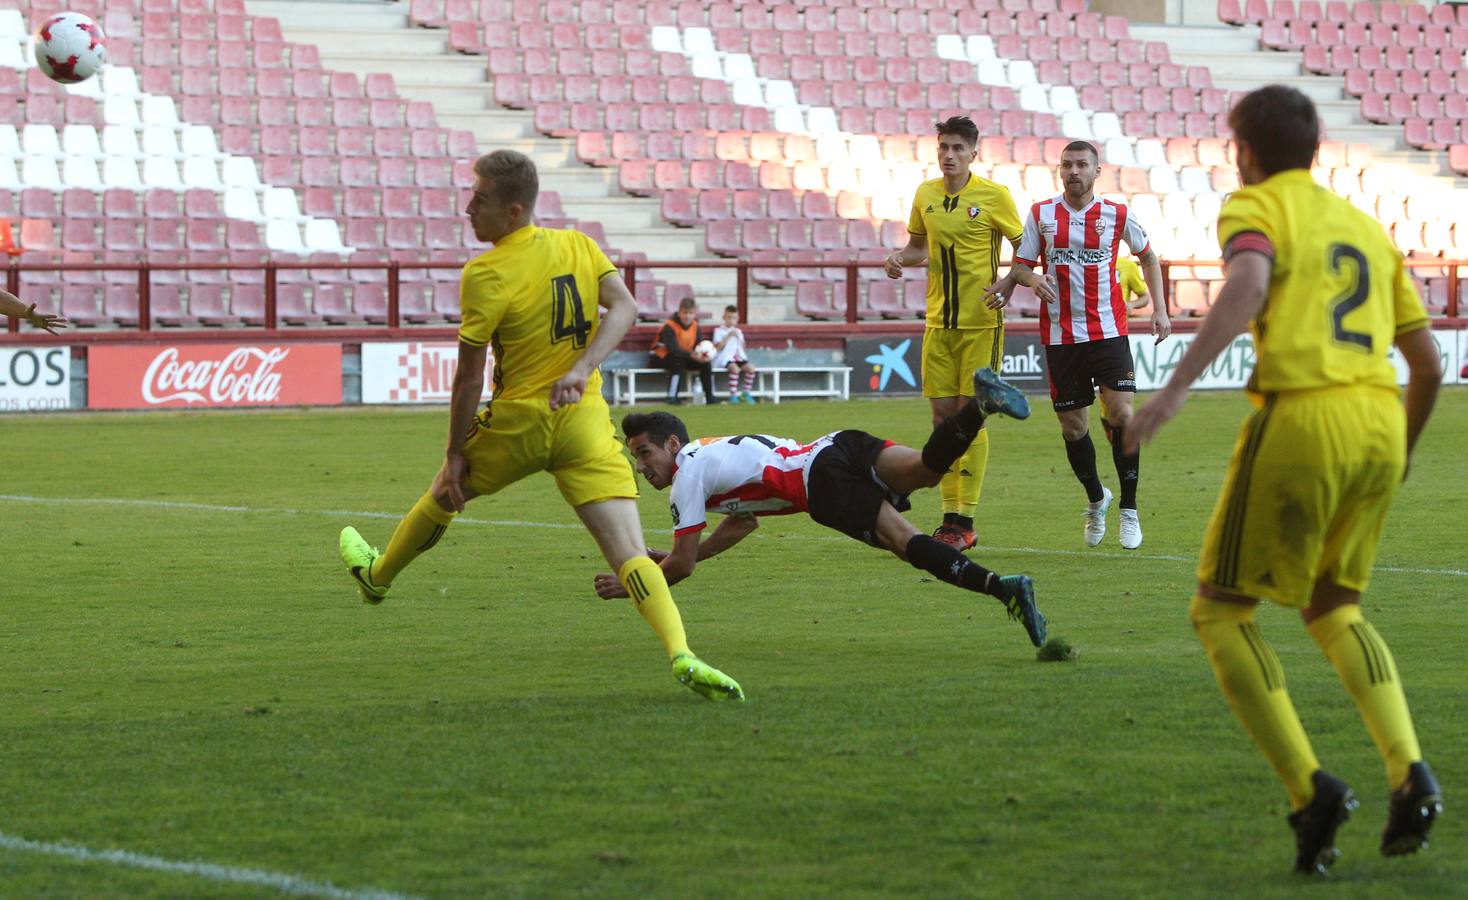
[[513, 523], [285, 884]]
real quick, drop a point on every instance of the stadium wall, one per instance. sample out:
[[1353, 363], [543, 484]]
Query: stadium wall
[[308, 369]]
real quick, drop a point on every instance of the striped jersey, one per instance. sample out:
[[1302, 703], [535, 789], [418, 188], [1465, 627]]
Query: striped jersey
[[1079, 249], [746, 474], [965, 234]]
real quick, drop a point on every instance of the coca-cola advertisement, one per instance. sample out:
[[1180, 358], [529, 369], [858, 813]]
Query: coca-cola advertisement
[[194, 375], [415, 372]]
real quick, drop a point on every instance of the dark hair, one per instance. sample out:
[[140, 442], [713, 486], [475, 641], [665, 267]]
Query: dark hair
[[732, 309], [658, 426], [1280, 126], [1077, 146], [513, 176], [687, 303], [962, 126]]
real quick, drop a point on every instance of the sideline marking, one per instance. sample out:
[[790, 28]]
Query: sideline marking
[[286, 884], [513, 523]]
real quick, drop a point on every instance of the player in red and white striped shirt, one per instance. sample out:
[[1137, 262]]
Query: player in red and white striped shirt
[[1076, 237], [850, 481]]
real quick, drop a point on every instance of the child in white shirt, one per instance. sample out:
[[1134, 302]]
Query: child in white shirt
[[730, 355]]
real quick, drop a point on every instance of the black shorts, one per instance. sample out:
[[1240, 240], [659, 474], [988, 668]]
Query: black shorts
[[844, 492], [1076, 370]]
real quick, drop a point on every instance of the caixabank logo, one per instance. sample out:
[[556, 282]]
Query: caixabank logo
[[884, 365]]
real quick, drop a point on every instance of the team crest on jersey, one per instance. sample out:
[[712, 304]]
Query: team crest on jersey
[[1100, 227], [973, 212]]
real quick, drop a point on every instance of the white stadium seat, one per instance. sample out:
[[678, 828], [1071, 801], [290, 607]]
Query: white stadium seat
[[81, 172], [120, 140], [121, 172], [161, 173], [284, 237], [322, 236], [41, 172], [81, 140]]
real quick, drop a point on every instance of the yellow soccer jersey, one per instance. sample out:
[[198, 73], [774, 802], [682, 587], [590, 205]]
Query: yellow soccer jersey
[[1338, 294], [964, 234], [534, 297], [1129, 273]]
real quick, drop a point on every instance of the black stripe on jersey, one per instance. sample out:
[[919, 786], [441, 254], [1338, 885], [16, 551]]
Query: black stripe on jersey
[[438, 531], [499, 356], [1268, 663], [996, 353], [1232, 537], [949, 256]]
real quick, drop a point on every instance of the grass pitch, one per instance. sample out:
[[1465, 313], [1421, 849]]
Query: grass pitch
[[198, 683]]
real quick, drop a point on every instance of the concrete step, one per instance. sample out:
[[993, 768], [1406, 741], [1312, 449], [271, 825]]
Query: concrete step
[[574, 184], [657, 243], [628, 212], [1382, 138], [396, 40], [491, 126], [451, 97], [1181, 38], [1261, 67], [326, 16], [405, 67]]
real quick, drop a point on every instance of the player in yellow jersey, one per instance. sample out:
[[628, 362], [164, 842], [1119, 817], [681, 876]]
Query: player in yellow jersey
[[956, 226], [1133, 285], [1297, 522], [534, 297]]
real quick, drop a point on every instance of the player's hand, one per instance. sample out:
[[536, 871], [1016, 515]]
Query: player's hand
[[1044, 289], [1148, 420], [1161, 324], [608, 587], [893, 265], [656, 556], [40, 320], [449, 482], [569, 388], [996, 295]]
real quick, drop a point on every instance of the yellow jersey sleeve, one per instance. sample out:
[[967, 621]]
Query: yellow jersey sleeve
[[915, 218], [1005, 216], [1245, 224], [482, 303], [1132, 281], [1407, 305]]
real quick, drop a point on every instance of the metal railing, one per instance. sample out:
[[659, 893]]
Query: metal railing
[[630, 270]]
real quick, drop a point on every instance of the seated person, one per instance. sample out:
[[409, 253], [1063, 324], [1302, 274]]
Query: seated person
[[673, 350], [732, 357]]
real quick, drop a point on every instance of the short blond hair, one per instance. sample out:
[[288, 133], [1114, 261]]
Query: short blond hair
[[512, 175]]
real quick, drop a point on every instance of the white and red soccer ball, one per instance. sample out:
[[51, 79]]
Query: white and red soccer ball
[[70, 47], [704, 351]]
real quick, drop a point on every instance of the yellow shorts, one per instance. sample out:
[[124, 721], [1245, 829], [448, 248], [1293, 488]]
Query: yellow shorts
[[951, 355], [1306, 494], [576, 444]]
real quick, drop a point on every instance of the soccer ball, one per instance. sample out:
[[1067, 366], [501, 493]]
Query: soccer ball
[[70, 48], [704, 351]]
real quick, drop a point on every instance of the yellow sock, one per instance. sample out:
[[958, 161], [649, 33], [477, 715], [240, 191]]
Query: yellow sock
[[948, 489], [1254, 684], [644, 580], [1366, 668], [419, 530], [975, 461]]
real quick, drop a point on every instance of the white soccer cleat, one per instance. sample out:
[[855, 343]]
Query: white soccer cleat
[[1096, 519], [1131, 530]]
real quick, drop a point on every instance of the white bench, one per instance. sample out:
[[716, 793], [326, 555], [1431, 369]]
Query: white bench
[[632, 385]]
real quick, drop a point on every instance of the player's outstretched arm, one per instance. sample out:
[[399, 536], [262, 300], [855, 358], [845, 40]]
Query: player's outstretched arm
[[1424, 377], [621, 312], [1244, 290], [676, 565], [11, 305], [914, 254], [726, 534]]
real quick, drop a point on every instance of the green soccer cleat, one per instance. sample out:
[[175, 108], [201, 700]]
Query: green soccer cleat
[[358, 555], [995, 395], [704, 679], [1018, 596]]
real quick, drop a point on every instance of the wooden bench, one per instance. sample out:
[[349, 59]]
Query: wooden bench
[[771, 383]]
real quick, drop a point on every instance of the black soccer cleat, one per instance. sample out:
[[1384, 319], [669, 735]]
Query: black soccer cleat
[[1412, 809], [1315, 825], [1018, 597]]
